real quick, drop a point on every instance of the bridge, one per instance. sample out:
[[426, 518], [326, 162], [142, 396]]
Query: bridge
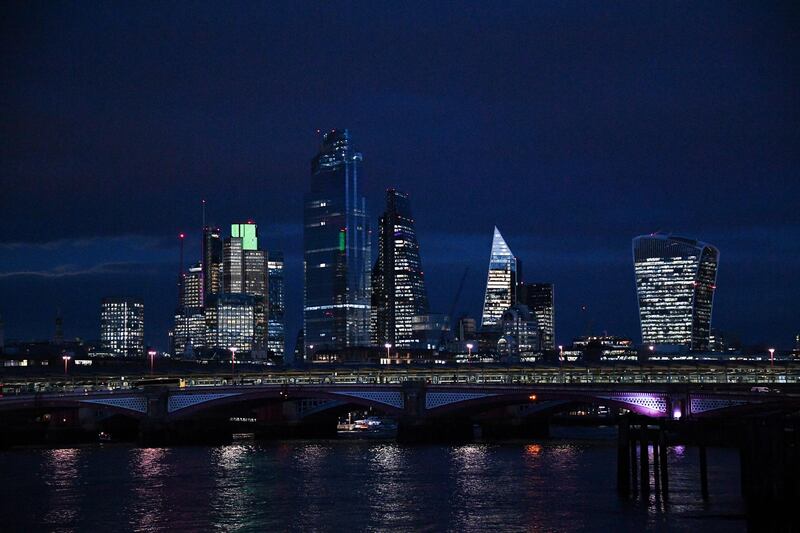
[[432, 402]]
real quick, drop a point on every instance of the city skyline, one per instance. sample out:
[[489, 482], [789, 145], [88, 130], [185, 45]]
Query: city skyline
[[570, 161]]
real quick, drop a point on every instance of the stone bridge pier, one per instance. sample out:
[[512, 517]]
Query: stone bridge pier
[[416, 424], [158, 428]]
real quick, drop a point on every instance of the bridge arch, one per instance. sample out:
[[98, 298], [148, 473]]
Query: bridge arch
[[182, 405]]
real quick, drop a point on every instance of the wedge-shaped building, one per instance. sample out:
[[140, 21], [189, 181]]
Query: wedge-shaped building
[[501, 282]]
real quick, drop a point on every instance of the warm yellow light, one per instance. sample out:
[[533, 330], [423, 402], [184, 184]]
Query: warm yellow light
[[532, 397]]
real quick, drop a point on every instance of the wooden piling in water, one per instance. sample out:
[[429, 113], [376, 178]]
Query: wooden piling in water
[[662, 450], [623, 459], [644, 462]]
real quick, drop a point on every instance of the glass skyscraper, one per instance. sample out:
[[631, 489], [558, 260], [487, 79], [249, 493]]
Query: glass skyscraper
[[675, 283], [336, 243], [398, 286], [276, 341], [501, 282]]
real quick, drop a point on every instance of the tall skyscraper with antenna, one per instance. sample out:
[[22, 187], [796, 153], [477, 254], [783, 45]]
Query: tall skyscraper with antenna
[[336, 242]]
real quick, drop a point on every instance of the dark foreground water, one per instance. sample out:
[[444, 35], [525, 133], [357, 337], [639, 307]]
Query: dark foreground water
[[559, 484]]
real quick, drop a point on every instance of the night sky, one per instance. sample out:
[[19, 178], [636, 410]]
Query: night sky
[[573, 128]]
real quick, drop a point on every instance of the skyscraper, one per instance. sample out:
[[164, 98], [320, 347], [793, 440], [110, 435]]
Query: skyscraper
[[336, 243], [122, 326], [232, 259], [276, 339], [190, 327], [212, 261], [245, 272], [675, 282], [248, 232], [254, 280], [501, 282], [399, 286], [539, 299]]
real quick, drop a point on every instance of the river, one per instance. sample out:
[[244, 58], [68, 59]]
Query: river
[[564, 483]]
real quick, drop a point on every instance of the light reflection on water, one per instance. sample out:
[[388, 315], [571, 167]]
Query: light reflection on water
[[546, 485], [148, 469], [60, 474], [388, 490]]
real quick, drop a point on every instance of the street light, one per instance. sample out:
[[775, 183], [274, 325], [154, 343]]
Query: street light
[[388, 352], [233, 358], [469, 350], [66, 359], [772, 357], [152, 354]]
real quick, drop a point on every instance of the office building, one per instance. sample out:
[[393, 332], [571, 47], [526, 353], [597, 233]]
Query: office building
[[501, 282], [212, 260], [675, 283], [232, 272], [248, 232], [189, 331], [398, 284], [520, 331], [539, 299], [429, 331], [276, 337], [467, 329], [122, 327], [230, 321], [336, 243], [254, 278]]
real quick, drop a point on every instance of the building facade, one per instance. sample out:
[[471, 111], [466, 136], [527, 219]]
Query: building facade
[[122, 327], [232, 271], [189, 331], [501, 282], [520, 331], [398, 285], [675, 284], [539, 299], [212, 260], [276, 337], [230, 321], [336, 243]]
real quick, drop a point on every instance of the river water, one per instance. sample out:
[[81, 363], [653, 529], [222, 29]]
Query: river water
[[565, 483]]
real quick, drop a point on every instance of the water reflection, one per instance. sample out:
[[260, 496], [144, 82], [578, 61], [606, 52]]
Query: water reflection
[[148, 469], [60, 475], [533, 450], [550, 485], [387, 489], [234, 497]]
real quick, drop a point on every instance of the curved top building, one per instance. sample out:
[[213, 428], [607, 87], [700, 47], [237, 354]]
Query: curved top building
[[336, 245], [675, 283]]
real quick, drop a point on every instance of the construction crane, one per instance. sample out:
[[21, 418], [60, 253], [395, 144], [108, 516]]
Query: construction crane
[[449, 321]]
